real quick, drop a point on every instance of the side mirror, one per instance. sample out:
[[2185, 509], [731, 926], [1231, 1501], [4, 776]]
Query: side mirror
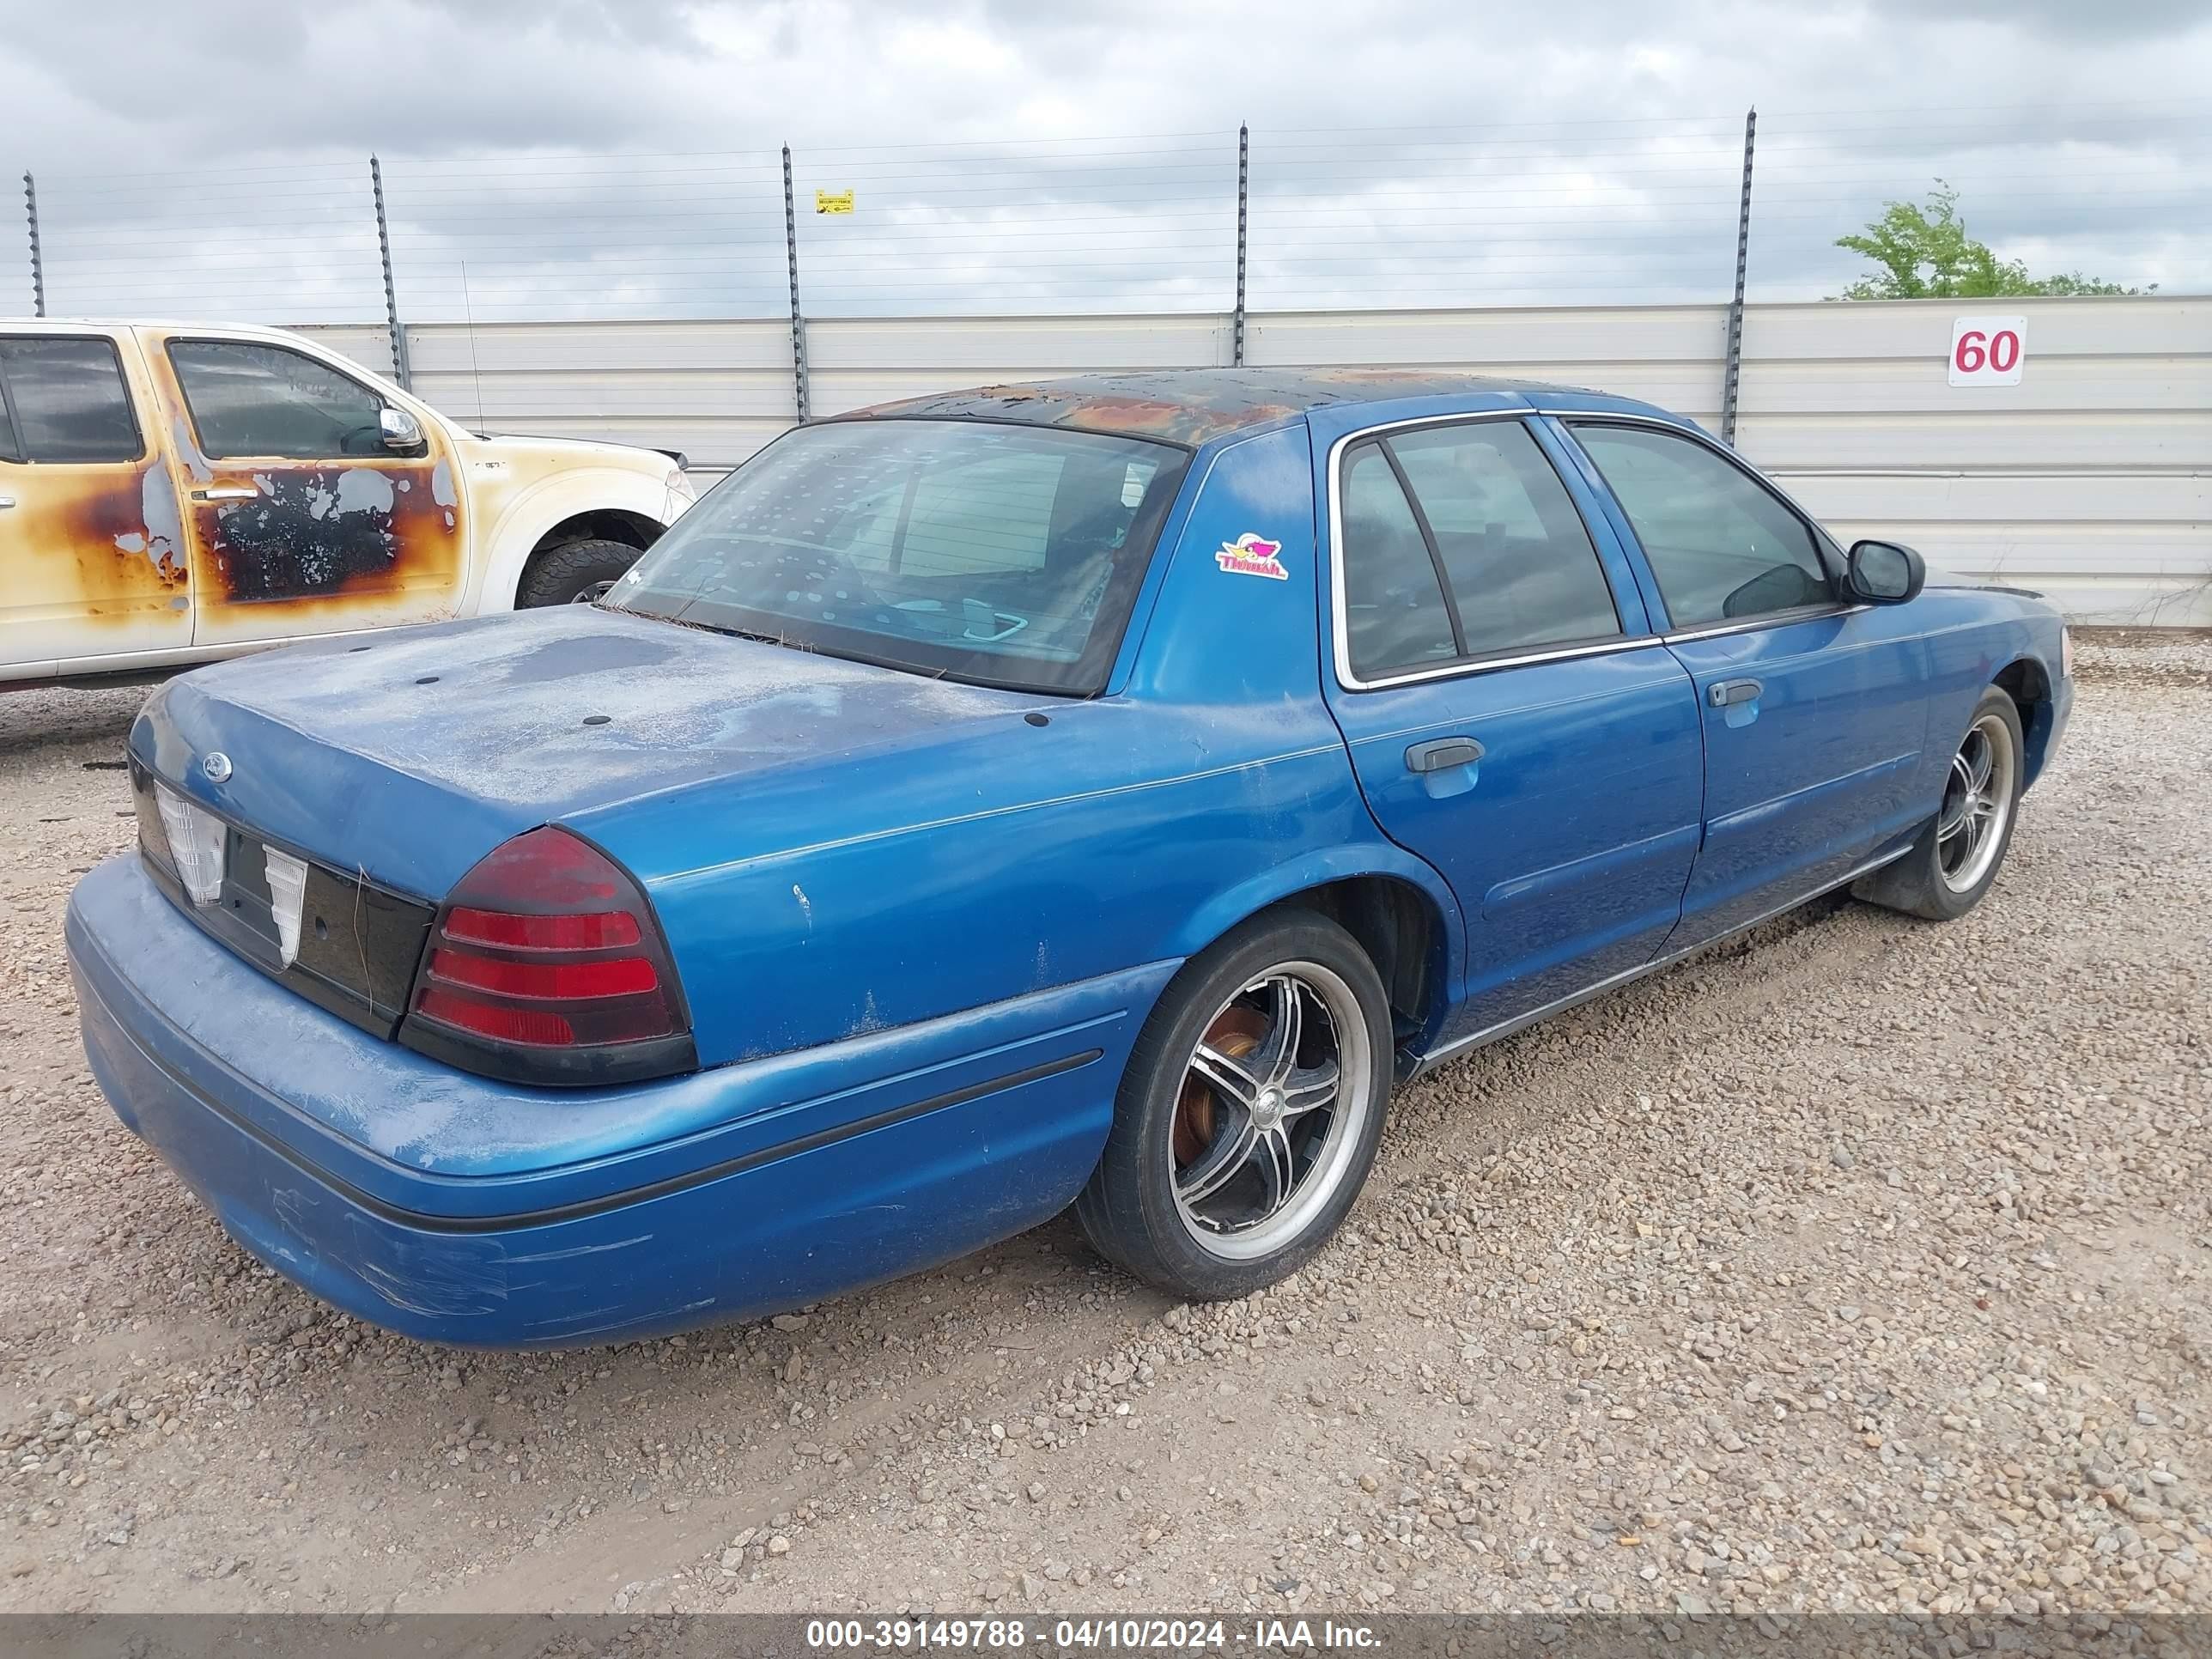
[[400, 430], [1885, 573]]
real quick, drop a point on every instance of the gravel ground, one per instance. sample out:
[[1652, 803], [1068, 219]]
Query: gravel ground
[[1859, 1264]]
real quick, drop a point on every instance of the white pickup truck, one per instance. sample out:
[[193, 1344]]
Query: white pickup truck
[[169, 494]]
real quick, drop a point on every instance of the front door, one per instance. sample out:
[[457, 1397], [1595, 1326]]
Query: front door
[[93, 568], [1815, 710], [301, 520], [1511, 718]]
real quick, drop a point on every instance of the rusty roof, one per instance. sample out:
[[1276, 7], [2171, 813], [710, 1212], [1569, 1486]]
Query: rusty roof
[[1190, 405]]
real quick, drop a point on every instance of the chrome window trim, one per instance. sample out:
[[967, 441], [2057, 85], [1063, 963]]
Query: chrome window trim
[[1485, 664], [1770, 619], [1339, 629], [1339, 632]]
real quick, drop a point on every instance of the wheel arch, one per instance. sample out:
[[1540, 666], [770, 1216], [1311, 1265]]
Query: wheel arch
[[1399, 910], [567, 507], [603, 524], [2028, 682]]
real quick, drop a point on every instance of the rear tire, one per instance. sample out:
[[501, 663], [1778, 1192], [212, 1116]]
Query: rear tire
[[1230, 1165], [573, 573], [1960, 849]]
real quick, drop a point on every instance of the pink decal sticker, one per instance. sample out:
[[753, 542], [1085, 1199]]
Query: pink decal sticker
[[1252, 555]]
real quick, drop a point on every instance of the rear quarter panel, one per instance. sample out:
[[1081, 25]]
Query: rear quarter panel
[[1133, 828]]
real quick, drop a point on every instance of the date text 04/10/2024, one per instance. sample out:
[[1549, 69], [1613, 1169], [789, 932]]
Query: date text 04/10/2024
[[1013, 1635]]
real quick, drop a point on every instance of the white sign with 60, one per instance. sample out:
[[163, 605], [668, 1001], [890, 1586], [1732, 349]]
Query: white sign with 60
[[1988, 350]]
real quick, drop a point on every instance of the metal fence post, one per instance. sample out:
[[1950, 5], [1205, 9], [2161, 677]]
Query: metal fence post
[[401, 371], [1243, 184], [798, 323], [38, 264], [1735, 306]]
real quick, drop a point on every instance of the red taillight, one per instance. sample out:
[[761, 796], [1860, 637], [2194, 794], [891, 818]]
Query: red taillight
[[542, 932], [488, 1019], [552, 982], [583, 933], [545, 965]]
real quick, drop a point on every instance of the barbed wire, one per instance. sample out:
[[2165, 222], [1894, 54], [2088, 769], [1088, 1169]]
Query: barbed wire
[[1619, 210]]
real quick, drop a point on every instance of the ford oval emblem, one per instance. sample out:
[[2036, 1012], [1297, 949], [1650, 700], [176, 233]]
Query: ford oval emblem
[[216, 766]]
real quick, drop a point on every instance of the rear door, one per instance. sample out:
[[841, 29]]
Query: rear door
[[1512, 718], [93, 568], [300, 520], [1815, 708]]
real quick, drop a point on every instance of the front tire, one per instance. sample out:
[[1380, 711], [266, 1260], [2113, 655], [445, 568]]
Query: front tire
[[1961, 849], [1249, 1112], [573, 573]]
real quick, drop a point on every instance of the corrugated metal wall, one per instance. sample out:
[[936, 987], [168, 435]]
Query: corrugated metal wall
[[2088, 479]]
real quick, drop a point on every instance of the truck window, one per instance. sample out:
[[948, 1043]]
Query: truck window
[[65, 401], [251, 400]]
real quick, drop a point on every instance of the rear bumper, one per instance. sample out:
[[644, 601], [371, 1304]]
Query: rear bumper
[[460, 1210]]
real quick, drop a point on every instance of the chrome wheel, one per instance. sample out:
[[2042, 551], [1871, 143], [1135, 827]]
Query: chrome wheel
[[1270, 1109], [1978, 803]]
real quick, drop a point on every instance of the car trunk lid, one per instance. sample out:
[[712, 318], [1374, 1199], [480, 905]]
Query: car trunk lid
[[390, 766], [409, 757]]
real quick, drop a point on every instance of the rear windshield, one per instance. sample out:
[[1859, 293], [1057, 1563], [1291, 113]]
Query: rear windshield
[[1003, 555]]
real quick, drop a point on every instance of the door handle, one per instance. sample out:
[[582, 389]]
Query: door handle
[[6, 502], [1440, 754], [1726, 694], [226, 493]]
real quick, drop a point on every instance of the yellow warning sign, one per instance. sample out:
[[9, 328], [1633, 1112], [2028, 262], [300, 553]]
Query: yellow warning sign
[[833, 201]]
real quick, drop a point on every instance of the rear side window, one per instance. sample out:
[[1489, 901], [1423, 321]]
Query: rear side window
[[1395, 619], [1524, 572], [1723, 546], [252, 399], [65, 401], [1460, 543]]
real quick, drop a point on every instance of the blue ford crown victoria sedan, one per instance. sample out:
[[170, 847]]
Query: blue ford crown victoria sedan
[[1100, 791]]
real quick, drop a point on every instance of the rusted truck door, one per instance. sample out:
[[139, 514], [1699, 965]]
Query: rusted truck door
[[92, 554], [301, 519]]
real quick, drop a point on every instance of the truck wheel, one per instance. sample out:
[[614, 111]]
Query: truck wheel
[[1249, 1113], [1961, 849], [573, 573]]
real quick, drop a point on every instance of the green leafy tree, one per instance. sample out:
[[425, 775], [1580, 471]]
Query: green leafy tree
[[1925, 253]]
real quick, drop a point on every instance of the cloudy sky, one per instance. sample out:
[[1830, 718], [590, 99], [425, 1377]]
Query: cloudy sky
[[566, 157]]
